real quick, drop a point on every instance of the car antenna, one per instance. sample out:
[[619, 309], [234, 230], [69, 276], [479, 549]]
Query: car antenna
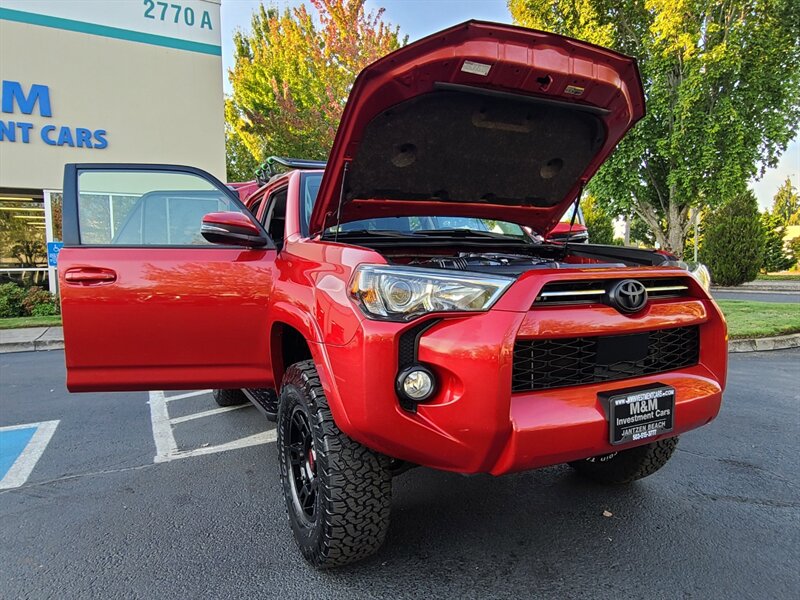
[[341, 199], [574, 214]]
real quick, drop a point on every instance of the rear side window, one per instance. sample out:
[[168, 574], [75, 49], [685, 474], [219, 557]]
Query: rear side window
[[311, 183], [146, 208]]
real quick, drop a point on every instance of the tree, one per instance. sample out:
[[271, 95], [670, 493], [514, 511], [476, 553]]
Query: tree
[[641, 233], [776, 258], [786, 204], [794, 250], [240, 164], [721, 79], [733, 242], [599, 223], [292, 75]]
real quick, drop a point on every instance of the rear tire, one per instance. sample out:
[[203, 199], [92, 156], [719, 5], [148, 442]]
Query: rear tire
[[229, 397], [626, 466], [338, 493]]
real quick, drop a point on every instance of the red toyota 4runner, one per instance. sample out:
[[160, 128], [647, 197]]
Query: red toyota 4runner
[[390, 310]]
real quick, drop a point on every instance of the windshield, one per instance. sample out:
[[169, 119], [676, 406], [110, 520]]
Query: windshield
[[410, 225], [567, 216]]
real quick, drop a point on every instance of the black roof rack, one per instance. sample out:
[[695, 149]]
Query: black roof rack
[[270, 166]]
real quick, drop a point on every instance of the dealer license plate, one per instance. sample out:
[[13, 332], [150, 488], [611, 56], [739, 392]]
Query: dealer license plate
[[637, 414]]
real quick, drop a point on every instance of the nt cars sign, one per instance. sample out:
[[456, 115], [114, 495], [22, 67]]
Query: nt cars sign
[[17, 100]]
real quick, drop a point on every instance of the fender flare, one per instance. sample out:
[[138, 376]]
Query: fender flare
[[283, 312], [286, 314]]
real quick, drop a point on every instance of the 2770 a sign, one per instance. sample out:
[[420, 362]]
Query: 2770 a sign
[[176, 13]]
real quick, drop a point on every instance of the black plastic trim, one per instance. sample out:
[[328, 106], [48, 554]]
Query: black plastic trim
[[550, 363], [408, 356], [261, 404], [635, 256]]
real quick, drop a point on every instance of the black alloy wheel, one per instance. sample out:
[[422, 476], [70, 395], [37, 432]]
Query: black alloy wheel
[[301, 462], [338, 493]]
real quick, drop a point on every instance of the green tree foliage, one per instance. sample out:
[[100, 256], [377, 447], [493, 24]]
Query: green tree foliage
[[641, 233], [786, 204], [241, 165], [293, 72], [722, 81], [11, 297], [794, 251], [776, 258], [599, 223], [733, 241], [17, 301]]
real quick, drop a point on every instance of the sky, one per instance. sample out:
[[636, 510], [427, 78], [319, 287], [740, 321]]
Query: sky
[[418, 18]]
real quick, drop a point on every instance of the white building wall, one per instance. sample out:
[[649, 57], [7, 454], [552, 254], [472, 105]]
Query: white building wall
[[153, 86]]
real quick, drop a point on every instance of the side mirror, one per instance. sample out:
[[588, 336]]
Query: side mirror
[[232, 228], [577, 234]]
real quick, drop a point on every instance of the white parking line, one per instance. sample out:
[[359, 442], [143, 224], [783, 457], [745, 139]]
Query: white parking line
[[166, 446], [207, 413], [252, 440], [186, 395], [21, 469]]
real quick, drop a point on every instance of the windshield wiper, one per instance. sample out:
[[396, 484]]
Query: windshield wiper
[[370, 233], [460, 232]]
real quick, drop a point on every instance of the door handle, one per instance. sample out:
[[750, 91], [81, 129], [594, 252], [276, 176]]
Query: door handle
[[89, 276]]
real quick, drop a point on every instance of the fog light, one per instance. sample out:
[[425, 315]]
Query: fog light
[[416, 384]]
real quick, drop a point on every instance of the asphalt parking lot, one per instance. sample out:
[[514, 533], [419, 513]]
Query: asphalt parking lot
[[161, 496]]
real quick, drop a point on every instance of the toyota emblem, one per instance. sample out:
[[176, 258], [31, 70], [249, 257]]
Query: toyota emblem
[[628, 296]]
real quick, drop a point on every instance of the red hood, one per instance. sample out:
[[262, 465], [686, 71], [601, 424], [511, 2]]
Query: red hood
[[480, 120]]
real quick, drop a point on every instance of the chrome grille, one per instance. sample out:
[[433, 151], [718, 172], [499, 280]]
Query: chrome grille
[[596, 291]]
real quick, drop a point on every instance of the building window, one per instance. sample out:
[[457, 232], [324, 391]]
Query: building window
[[23, 241]]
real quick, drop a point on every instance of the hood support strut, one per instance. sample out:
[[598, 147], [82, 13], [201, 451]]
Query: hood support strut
[[574, 214], [341, 199]]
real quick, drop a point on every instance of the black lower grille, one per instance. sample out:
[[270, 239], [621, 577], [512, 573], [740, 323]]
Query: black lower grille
[[545, 364]]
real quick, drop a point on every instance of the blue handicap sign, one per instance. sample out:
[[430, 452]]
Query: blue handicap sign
[[53, 248]]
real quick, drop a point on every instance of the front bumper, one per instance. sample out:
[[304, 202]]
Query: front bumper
[[475, 423]]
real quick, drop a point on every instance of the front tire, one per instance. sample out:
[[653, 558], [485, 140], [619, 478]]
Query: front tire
[[229, 397], [626, 466], [338, 492]]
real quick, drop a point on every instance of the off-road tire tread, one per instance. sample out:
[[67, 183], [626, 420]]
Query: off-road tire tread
[[355, 483], [229, 397], [629, 465]]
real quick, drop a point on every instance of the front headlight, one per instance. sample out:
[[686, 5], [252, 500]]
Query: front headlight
[[696, 269], [702, 274], [403, 293]]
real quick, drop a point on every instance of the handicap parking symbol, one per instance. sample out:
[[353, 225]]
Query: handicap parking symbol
[[21, 447], [53, 248]]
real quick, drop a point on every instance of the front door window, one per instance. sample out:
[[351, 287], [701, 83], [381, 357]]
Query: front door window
[[146, 208]]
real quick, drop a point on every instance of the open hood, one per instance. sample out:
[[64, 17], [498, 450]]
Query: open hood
[[479, 120]]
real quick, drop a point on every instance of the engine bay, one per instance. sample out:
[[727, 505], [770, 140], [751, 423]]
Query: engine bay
[[500, 263]]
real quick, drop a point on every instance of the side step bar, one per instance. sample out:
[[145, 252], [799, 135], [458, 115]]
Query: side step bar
[[265, 400]]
